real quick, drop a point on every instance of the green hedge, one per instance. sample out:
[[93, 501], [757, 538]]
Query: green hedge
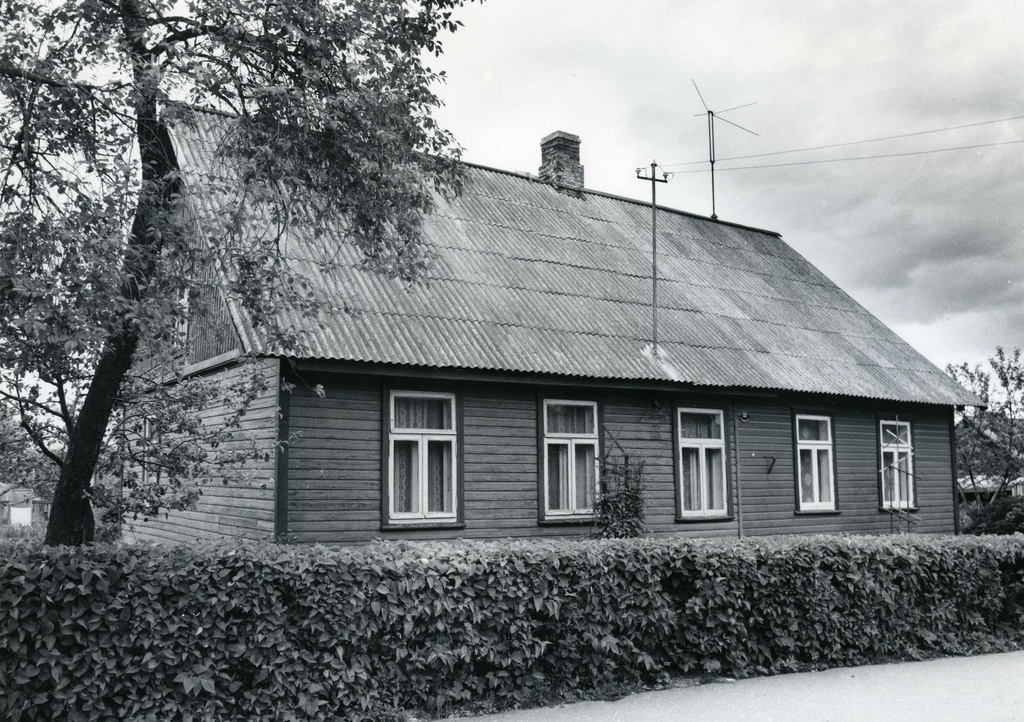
[[267, 632]]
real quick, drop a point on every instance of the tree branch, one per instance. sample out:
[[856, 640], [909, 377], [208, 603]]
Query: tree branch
[[37, 439], [69, 420], [10, 71], [182, 36], [23, 402]]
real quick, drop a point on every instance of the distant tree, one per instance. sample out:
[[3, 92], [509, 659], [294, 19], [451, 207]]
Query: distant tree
[[21, 463], [101, 260], [990, 441]]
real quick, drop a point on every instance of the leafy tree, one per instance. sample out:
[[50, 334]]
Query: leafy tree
[[990, 440], [110, 243], [21, 463]]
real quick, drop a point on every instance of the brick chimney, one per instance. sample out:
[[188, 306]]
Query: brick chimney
[[560, 159]]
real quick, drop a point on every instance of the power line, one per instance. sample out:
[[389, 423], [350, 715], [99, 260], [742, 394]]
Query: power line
[[853, 142], [861, 157]]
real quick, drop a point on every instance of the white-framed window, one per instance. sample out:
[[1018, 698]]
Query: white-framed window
[[897, 452], [149, 472], [422, 457], [570, 457], [702, 487], [816, 484]]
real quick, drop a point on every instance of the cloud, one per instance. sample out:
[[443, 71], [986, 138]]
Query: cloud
[[933, 243]]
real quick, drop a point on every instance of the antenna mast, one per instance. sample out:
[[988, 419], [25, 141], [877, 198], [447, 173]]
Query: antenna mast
[[653, 178], [711, 137]]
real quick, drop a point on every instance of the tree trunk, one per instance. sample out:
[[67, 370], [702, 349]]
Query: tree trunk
[[71, 518]]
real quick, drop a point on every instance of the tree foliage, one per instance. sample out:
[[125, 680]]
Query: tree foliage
[[990, 440], [1000, 516], [111, 244], [620, 510], [21, 463]]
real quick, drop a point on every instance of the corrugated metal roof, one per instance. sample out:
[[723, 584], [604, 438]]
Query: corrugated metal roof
[[529, 278]]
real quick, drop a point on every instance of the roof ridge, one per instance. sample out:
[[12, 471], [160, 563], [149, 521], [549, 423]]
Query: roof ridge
[[602, 194], [663, 232]]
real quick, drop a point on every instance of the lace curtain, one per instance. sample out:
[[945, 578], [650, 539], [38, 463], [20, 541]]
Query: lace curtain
[[422, 413], [570, 419], [699, 426]]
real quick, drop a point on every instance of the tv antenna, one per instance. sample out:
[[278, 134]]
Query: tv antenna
[[712, 114]]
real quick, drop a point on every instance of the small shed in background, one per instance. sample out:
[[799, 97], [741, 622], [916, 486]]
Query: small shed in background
[[21, 506]]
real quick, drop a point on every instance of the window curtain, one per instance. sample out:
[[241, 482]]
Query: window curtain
[[715, 497], [439, 476], [813, 430], [699, 426], [570, 419], [806, 476], [888, 460], [690, 464], [407, 483], [904, 470], [586, 478], [896, 483], [558, 477], [824, 476], [422, 413]]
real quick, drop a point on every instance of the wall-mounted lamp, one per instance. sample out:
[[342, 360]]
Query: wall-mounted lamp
[[744, 417]]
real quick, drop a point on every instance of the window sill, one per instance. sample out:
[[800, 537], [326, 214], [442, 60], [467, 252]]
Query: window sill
[[898, 509], [817, 512], [566, 521], [404, 525], [703, 519]]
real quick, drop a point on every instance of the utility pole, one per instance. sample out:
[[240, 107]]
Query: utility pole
[[653, 178]]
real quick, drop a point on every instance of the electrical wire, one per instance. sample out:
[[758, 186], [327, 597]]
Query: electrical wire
[[852, 142], [844, 160]]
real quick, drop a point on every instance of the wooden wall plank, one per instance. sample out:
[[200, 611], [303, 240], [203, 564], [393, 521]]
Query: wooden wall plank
[[232, 510], [335, 470]]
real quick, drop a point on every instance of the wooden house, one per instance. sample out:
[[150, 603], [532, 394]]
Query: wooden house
[[478, 404], [985, 488]]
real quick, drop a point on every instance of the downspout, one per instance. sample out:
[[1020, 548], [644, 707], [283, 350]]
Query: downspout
[[281, 461], [952, 465], [739, 490]]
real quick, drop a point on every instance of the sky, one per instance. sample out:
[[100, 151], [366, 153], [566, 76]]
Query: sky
[[932, 243]]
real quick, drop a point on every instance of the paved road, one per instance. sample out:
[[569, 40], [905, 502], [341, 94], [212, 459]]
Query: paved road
[[988, 688]]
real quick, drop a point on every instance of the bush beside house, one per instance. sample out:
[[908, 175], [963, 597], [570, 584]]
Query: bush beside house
[[1000, 516], [267, 632]]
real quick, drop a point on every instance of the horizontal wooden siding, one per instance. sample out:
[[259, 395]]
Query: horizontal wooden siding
[[766, 462], [242, 507], [336, 468]]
